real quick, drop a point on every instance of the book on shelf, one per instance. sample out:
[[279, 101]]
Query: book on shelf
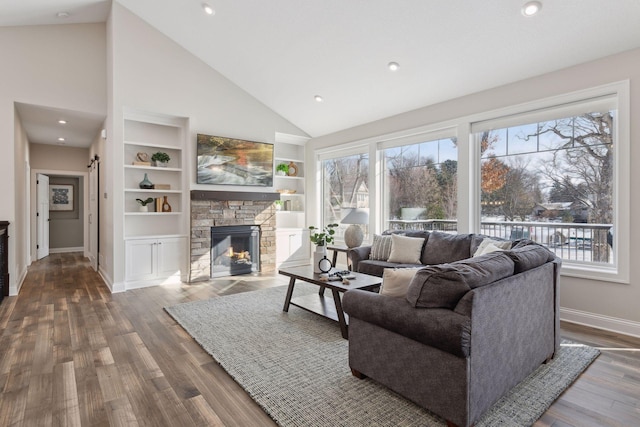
[[162, 186], [141, 163], [158, 204]]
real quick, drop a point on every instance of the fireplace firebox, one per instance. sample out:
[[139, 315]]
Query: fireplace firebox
[[235, 250]]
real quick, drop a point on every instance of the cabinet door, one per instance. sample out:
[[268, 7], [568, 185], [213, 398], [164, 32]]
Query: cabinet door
[[140, 259], [171, 255], [292, 247]]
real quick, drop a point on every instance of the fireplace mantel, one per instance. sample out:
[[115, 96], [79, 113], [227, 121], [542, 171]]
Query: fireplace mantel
[[233, 195]]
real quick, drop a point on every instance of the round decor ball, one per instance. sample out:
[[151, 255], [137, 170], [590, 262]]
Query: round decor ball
[[293, 169]]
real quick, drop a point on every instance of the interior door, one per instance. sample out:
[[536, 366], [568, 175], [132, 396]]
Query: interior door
[[42, 214], [93, 216]]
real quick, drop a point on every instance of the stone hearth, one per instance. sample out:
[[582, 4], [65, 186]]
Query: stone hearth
[[211, 213]]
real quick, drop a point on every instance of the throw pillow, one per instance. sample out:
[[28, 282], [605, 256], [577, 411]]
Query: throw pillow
[[405, 250], [395, 281], [444, 247], [491, 245], [381, 248]]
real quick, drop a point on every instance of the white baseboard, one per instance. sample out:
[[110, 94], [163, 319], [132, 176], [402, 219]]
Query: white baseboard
[[65, 250], [598, 321]]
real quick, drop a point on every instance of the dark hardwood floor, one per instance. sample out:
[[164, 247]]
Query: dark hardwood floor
[[72, 353]]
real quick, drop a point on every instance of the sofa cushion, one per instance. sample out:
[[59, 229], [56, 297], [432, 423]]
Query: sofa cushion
[[406, 250], [375, 267], [381, 247], [439, 328], [395, 281], [529, 256], [443, 247], [442, 286]]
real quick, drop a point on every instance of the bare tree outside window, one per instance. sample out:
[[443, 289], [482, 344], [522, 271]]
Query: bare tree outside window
[[558, 171]]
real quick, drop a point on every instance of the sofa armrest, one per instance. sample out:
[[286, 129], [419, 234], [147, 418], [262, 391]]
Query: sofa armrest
[[437, 327], [358, 254]]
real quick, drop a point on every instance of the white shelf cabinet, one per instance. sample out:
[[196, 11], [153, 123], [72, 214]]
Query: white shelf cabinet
[[155, 241], [293, 246], [150, 259]]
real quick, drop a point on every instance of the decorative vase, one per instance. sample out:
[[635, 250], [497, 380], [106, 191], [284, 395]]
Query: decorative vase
[[143, 208], [320, 252], [146, 184], [160, 164], [166, 207]]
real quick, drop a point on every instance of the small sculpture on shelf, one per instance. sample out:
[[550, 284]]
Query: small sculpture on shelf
[[142, 159], [166, 207], [293, 169]]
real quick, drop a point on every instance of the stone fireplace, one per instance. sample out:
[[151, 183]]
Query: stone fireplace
[[226, 208]]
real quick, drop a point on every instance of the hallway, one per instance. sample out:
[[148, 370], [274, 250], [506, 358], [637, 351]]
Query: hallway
[[72, 353]]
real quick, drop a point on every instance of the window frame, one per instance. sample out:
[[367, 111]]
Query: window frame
[[469, 171]]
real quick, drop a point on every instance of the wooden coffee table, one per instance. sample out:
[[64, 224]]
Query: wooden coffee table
[[330, 307]]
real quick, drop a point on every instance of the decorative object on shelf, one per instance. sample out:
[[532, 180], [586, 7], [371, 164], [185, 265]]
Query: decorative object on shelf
[[293, 169], [282, 169], [142, 159], [278, 205], [287, 205], [166, 207], [162, 186], [324, 265], [144, 204], [286, 191], [228, 161], [354, 235], [160, 159], [145, 184]]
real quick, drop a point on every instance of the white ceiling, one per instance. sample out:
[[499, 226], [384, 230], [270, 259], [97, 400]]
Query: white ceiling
[[284, 52]]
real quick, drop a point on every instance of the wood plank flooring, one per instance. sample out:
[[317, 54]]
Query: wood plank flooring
[[72, 353]]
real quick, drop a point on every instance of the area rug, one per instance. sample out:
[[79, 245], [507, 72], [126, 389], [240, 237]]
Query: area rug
[[295, 366]]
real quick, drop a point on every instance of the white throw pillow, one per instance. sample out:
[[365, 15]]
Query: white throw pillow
[[395, 281], [405, 250], [490, 245]]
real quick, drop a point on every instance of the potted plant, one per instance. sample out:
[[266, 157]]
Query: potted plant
[[323, 236], [278, 204], [161, 159], [282, 169], [144, 204]]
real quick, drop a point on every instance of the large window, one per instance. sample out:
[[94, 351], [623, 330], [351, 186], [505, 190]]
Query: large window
[[420, 185], [552, 181], [345, 186]]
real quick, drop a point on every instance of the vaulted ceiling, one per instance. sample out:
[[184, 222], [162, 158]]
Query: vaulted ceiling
[[285, 52]]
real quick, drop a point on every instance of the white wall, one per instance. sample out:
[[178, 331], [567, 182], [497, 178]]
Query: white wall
[[604, 304], [60, 66], [152, 73]]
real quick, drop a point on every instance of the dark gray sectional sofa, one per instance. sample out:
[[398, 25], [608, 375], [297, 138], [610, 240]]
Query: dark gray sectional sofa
[[467, 331]]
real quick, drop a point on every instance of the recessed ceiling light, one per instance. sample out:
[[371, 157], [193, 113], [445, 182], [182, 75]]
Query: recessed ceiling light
[[318, 98], [208, 9], [62, 14], [393, 66], [531, 8], [62, 122], [61, 139]]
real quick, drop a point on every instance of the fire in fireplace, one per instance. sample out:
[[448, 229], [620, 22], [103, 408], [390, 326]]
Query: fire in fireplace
[[235, 250]]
